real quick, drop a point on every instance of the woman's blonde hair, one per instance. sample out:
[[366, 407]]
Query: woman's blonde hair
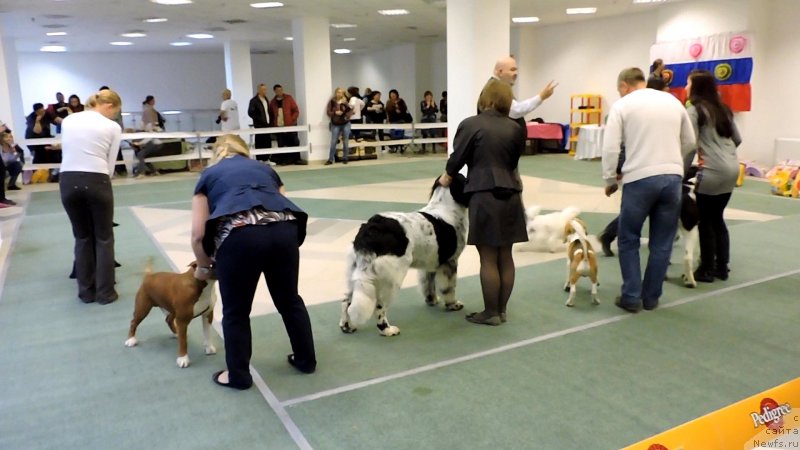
[[496, 95], [106, 96], [230, 145]]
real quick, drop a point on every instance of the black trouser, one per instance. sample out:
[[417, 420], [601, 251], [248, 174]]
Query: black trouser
[[429, 133], [149, 150], [14, 169], [2, 180], [287, 140], [89, 202], [43, 156], [263, 141], [120, 169], [243, 256], [714, 239], [610, 231], [380, 134]]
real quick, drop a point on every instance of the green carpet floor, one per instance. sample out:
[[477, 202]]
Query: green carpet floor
[[586, 377]]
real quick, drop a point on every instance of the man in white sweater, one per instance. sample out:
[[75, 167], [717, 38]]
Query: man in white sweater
[[657, 133]]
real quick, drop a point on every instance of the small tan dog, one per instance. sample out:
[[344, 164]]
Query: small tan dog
[[581, 259], [182, 297]]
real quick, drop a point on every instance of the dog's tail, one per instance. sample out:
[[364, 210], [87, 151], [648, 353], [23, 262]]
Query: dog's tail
[[148, 266], [581, 232]]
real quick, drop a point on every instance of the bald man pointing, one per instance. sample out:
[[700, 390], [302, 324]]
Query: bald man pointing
[[506, 70]]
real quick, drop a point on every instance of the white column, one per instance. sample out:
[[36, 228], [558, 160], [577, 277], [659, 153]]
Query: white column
[[239, 77], [12, 112], [478, 34], [313, 81]]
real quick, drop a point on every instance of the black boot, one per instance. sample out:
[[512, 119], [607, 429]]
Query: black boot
[[721, 272], [703, 275]]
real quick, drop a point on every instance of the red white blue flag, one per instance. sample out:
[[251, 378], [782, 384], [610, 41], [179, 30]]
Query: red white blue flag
[[728, 56]]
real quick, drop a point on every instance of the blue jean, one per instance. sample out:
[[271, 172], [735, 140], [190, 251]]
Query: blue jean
[[658, 198], [336, 131]]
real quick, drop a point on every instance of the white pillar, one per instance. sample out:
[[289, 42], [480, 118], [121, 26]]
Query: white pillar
[[12, 112], [478, 34], [313, 81], [239, 77]]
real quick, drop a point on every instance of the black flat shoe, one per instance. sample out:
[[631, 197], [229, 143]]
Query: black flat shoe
[[480, 319], [216, 376], [302, 368]]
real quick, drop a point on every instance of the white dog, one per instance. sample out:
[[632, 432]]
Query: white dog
[[546, 231], [385, 247]]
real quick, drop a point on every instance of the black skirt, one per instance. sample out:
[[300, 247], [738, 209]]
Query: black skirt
[[496, 219]]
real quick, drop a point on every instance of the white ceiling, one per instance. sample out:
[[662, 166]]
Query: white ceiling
[[92, 24]]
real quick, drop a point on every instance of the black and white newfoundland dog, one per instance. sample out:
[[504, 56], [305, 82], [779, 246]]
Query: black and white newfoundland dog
[[430, 240]]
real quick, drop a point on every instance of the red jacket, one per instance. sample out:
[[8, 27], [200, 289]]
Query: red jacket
[[290, 111]]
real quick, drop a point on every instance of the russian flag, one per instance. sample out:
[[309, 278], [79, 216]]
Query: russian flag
[[728, 56]]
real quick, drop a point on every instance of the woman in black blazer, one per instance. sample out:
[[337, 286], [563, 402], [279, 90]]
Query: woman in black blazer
[[490, 145]]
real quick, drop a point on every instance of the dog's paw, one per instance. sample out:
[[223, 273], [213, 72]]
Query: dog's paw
[[211, 350], [131, 342], [431, 300], [455, 306], [689, 282], [391, 330], [566, 287], [346, 328], [183, 361], [569, 303], [595, 300]]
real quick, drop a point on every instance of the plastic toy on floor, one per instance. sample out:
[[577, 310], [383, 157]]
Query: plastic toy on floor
[[781, 181]]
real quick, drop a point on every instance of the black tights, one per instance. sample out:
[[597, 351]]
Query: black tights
[[714, 239], [497, 278]]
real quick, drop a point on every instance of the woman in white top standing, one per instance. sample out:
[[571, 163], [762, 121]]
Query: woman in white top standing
[[90, 141], [357, 104]]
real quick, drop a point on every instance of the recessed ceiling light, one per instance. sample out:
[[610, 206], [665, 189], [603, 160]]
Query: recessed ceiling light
[[57, 33], [393, 12], [288, 38], [170, 112], [343, 25], [349, 39], [121, 43], [155, 20], [267, 5], [133, 34], [341, 51], [180, 44], [200, 36], [648, 1], [581, 10], [524, 19], [53, 48], [172, 2]]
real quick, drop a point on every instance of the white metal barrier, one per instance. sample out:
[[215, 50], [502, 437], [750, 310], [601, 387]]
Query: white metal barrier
[[201, 150]]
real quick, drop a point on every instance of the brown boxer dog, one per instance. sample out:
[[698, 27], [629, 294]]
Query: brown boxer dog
[[182, 297]]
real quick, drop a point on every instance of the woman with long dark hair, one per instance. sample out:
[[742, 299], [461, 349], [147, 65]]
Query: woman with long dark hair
[[717, 140]]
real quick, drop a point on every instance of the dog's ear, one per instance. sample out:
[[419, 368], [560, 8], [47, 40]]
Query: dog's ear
[[567, 231], [457, 188]]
